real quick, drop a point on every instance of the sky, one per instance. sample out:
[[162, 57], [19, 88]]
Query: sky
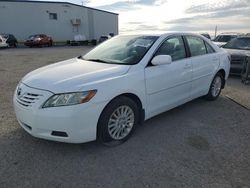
[[139, 16]]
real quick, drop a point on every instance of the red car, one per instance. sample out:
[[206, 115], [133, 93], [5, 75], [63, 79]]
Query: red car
[[38, 40]]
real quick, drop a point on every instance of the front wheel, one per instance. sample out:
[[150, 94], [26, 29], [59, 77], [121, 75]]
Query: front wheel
[[118, 121], [215, 87]]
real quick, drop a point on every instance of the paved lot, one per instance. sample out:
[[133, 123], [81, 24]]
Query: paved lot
[[200, 144]]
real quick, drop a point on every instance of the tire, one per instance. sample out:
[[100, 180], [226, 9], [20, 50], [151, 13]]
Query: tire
[[215, 87], [50, 43], [118, 121]]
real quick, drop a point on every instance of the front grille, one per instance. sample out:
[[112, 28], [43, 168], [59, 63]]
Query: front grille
[[237, 59], [28, 99]]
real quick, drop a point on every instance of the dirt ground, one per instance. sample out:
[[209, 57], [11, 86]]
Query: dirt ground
[[199, 144]]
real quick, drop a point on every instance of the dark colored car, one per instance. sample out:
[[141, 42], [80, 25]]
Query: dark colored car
[[206, 35], [239, 48], [39, 40], [224, 38], [103, 38], [10, 39]]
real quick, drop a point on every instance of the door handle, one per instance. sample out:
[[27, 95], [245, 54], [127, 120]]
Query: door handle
[[215, 59]]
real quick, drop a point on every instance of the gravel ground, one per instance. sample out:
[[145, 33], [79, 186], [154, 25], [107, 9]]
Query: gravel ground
[[200, 144]]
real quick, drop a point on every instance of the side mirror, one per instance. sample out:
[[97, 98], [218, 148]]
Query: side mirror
[[161, 60]]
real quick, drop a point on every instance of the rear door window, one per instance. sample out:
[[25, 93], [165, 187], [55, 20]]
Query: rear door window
[[196, 45]]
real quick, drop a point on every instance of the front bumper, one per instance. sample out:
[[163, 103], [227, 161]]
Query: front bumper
[[79, 122]]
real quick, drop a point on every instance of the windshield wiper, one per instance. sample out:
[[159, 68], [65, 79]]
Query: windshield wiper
[[98, 60], [80, 57], [101, 60]]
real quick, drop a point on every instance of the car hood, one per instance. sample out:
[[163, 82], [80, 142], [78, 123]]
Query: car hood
[[72, 75], [236, 52], [220, 43]]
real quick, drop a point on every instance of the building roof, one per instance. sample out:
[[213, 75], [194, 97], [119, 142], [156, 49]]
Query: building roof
[[56, 2]]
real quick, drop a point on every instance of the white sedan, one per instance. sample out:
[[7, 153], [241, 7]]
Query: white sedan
[[106, 93], [3, 43]]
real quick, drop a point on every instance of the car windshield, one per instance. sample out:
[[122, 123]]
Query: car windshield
[[126, 50], [33, 36], [5, 36], [224, 38], [239, 43], [206, 35]]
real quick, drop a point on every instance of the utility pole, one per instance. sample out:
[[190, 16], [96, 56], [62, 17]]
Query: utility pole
[[215, 31]]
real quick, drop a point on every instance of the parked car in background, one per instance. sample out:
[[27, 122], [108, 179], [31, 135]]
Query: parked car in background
[[223, 38], [206, 35], [3, 43], [239, 49], [103, 38], [39, 40], [10, 39], [125, 80]]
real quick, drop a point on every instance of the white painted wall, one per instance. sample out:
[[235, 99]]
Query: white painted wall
[[26, 18]]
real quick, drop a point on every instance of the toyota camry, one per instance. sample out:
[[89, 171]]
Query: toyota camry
[[124, 81]]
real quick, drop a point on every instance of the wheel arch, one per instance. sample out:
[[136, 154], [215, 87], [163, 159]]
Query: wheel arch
[[223, 72], [133, 97]]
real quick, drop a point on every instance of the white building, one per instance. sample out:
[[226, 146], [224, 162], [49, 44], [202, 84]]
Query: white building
[[60, 20]]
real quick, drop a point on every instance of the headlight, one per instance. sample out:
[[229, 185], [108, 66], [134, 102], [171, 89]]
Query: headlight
[[66, 99], [37, 39]]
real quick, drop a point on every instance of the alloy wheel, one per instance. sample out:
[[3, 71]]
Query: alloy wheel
[[121, 122], [216, 86]]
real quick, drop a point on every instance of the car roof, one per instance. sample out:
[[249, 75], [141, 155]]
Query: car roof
[[170, 33], [158, 34], [229, 34], [37, 35]]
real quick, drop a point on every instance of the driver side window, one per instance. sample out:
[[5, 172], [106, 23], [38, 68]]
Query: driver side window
[[174, 47]]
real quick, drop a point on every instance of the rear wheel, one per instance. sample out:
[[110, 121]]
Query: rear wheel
[[118, 121], [215, 87], [50, 44]]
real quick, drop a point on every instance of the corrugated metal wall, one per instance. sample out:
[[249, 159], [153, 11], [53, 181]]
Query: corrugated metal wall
[[26, 18]]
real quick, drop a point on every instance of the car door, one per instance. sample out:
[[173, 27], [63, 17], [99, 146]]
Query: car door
[[168, 85], [205, 62], [44, 39]]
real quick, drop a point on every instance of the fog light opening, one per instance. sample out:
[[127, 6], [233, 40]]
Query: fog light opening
[[59, 133]]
